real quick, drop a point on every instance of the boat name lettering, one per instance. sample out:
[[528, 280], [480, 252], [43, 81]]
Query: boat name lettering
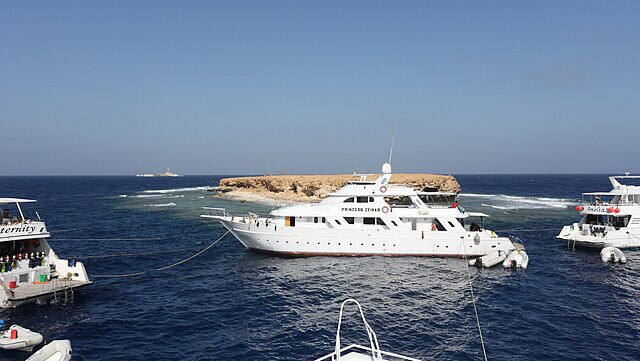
[[597, 209], [21, 229], [346, 209]]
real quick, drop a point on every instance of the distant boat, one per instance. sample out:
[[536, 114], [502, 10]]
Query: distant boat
[[166, 174], [169, 174]]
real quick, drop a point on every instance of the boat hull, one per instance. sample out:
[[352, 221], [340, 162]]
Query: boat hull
[[301, 242], [615, 238]]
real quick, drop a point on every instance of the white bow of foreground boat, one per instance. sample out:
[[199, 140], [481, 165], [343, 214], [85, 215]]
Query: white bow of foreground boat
[[609, 219], [356, 352], [29, 268], [367, 218]]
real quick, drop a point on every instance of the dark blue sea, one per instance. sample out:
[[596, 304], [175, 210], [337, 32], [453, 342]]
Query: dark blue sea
[[231, 304]]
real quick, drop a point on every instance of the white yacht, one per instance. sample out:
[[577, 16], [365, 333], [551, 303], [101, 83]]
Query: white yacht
[[168, 174], [368, 218], [609, 219], [29, 269]]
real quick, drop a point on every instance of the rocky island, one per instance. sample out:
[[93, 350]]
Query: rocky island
[[313, 188]]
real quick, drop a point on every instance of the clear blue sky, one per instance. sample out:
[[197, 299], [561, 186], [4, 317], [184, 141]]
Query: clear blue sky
[[244, 87]]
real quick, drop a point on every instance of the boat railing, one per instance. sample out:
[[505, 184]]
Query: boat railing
[[216, 212], [388, 355]]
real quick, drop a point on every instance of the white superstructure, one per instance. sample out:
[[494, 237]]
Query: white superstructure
[[608, 218], [29, 268], [368, 218]]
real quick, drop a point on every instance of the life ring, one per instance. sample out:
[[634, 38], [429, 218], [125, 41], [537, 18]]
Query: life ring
[[383, 189], [385, 209]]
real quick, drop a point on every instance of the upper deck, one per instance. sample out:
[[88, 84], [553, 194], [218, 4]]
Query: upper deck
[[17, 223]]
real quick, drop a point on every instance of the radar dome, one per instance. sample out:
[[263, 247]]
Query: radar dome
[[386, 168]]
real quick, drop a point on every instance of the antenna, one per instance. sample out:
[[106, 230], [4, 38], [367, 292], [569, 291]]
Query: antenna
[[392, 141]]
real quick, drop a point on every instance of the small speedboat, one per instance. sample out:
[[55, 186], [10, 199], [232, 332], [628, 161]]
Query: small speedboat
[[516, 259], [356, 352], [489, 260], [19, 338], [59, 350], [613, 255]]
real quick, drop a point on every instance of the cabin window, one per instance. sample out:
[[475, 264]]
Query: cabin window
[[398, 201], [394, 223], [439, 226], [349, 200], [324, 220], [349, 220], [620, 222], [315, 219], [369, 220], [451, 224], [337, 221], [380, 222], [362, 199], [289, 221]]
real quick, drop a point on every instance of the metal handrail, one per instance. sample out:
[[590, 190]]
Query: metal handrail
[[216, 212], [331, 356]]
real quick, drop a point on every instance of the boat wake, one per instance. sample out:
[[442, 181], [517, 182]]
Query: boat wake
[[170, 204], [176, 190], [503, 201]]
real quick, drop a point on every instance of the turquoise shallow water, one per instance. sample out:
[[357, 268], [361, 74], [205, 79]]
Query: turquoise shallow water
[[230, 304]]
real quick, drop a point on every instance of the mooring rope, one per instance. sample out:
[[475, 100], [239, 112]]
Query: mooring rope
[[473, 299], [110, 239], [165, 267], [113, 255]]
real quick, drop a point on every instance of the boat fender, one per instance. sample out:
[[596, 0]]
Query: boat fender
[[13, 264], [383, 189], [14, 334], [385, 209]]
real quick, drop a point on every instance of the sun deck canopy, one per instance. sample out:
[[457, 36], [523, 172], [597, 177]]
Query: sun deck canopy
[[477, 214]]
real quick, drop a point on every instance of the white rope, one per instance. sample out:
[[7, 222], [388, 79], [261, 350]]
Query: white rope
[[473, 299], [165, 267]]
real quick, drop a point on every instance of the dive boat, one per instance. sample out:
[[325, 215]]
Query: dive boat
[[609, 219], [355, 352], [29, 269], [366, 218]]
